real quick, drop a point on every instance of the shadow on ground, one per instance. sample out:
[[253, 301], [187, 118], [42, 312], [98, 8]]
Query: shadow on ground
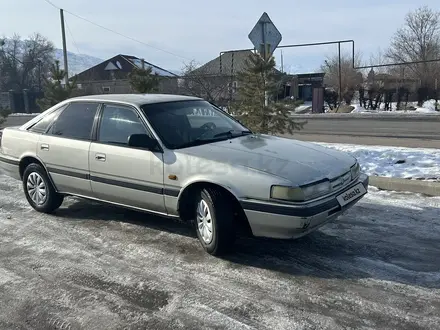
[[370, 241]]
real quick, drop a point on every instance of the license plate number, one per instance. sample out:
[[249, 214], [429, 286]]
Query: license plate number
[[351, 194]]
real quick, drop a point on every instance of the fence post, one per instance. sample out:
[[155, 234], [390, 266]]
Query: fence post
[[26, 100], [11, 100]]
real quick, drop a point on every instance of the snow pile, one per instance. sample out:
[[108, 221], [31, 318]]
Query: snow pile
[[428, 107], [408, 163], [22, 114], [358, 108], [303, 108]]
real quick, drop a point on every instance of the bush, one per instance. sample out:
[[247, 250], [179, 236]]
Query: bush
[[5, 112]]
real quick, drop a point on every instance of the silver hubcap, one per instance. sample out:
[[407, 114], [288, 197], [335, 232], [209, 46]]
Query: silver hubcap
[[204, 221], [36, 188]]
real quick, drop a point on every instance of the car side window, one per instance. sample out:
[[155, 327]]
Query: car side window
[[117, 124], [76, 121], [42, 125]]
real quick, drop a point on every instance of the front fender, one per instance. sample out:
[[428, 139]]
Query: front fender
[[225, 184]]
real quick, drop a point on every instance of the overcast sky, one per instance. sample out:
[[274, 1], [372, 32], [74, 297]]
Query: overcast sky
[[201, 29]]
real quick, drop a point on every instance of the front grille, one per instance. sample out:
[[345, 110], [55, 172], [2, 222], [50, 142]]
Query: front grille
[[341, 181]]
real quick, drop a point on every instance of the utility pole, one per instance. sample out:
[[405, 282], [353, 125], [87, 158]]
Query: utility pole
[[339, 74], [282, 62], [63, 34]]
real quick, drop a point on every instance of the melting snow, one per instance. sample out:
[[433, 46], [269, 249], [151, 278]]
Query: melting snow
[[399, 162]]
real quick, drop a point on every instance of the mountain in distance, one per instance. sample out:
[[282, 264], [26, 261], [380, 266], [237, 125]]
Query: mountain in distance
[[77, 62], [80, 62]]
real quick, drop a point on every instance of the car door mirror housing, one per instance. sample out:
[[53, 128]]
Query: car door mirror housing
[[143, 141]]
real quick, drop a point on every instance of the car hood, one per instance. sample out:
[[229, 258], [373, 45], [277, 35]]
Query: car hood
[[299, 162]]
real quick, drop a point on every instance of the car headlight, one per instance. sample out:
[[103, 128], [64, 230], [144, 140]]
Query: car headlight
[[300, 194], [316, 190], [294, 194], [355, 171]]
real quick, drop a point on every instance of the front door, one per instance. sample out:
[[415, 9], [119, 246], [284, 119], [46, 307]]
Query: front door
[[119, 173], [64, 149]]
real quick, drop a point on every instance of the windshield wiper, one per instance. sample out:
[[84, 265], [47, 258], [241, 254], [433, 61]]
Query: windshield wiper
[[230, 135], [198, 142], [218, 137]]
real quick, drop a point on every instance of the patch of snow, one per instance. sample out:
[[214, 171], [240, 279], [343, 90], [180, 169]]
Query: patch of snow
[[23, 114], [424, 110], [358, 108], [397, 162], [428, 107], [306, 107]]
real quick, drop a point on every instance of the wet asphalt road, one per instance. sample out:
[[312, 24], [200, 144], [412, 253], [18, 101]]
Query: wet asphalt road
[[91, 266]]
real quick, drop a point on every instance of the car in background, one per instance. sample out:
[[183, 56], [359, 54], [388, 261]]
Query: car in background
[[180, 157]]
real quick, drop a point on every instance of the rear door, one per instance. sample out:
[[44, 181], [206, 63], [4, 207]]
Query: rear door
[[64, 148], [122, 174]]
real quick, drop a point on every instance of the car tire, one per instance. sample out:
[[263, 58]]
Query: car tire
[[214, 222], [39, 191]]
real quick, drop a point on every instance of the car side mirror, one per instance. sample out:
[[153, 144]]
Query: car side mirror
[[143, 141]]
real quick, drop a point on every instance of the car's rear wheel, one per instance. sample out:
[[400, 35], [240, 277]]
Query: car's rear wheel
[[39, 191], [214, 221]]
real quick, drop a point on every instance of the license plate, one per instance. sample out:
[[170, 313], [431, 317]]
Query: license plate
[[351, 194]]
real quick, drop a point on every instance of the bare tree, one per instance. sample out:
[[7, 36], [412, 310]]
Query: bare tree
[[198, 81], [24, 62], [418, 40], [351, 79]]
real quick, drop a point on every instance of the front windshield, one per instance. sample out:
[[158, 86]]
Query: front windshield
[[188, 123]]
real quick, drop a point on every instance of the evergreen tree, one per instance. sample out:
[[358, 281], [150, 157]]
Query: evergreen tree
[[3, 115], [143, 80], [54, 90], [256, 83]]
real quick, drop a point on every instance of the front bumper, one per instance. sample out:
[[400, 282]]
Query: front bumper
[[286, 221]]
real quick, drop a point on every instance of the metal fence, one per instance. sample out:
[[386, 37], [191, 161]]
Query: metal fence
[[21, 102]]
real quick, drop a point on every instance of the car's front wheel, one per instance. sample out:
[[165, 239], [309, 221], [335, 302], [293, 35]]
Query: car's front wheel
[[39, 191], [214, 221]]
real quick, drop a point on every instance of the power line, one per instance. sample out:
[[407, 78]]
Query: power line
[[73, 39], [116, 32]]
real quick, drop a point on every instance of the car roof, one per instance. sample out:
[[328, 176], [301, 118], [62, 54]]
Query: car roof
[[135, 99]]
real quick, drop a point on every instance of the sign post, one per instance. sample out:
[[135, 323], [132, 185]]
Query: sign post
[[265, 37]]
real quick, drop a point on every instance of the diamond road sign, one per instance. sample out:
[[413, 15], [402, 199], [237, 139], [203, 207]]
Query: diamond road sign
[[265, 36]]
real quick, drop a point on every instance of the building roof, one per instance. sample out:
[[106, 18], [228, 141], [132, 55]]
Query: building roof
[[135, 99], [137, 62], [228, 63], [118, 67]]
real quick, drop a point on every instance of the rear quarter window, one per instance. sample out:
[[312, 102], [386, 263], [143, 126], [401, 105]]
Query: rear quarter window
[[76, 121], [43, 125]]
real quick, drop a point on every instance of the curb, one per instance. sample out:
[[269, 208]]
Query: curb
[[435, 116], [397, 184]]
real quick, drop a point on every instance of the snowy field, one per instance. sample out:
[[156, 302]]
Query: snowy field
[[91, 266], [409, 163], [428, 107]]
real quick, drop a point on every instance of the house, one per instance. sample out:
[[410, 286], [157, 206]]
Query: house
[[111, 76], [216, 80], [301, 85], [219, 77]]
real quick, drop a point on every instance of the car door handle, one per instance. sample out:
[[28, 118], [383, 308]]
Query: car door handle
[[100, 157], [44, 146]]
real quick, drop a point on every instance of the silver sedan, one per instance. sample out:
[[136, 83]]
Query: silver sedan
[[181, 157]]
